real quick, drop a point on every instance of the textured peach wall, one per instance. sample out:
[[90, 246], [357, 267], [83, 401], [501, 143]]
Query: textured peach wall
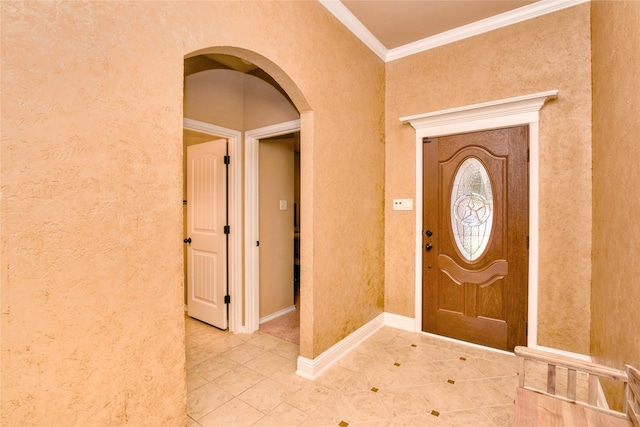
[[235, 100], [264, 105], [615, 318], [92, 323], [215, 97], [550, 52]]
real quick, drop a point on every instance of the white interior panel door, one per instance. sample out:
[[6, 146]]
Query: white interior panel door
[[206, 219]]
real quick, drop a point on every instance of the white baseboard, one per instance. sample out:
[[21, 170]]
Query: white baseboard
[[311, 368], [277, 314], [400, 322]]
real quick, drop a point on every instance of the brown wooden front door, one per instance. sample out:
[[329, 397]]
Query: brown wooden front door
[[474, 237]]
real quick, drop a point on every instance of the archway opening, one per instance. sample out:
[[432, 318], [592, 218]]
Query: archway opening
[[261, 72]]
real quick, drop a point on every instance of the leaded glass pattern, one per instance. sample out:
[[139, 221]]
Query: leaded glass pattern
[[472, 208]]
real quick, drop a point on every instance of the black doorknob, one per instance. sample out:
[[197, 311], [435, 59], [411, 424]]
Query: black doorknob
[[429, 233], [187, 240], [429, 246]]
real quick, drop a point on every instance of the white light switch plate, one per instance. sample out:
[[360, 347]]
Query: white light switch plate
[[283, 205], [402, 204]]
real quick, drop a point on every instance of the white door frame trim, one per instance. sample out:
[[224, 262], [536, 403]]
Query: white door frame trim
[[522, 110], [235, 214], [251, 218]]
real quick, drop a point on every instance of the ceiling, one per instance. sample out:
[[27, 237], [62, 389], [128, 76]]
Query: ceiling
[[394, 29], [198, 63], [397, 23]]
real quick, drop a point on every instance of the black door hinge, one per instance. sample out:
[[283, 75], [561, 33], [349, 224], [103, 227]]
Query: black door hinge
[[227, 229], [426, 140], [257, 242], [227, 160], [227, 299], [528, 155], [527, 242]]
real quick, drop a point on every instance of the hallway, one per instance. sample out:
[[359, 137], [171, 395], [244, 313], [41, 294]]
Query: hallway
[[395, 378]]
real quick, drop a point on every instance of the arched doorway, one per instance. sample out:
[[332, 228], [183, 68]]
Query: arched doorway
[[242, 318]]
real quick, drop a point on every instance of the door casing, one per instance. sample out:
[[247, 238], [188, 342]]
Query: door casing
[[252, 254], [235, 214], [522, 110]]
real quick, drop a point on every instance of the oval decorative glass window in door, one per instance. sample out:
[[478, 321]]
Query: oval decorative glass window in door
[[471, 208]]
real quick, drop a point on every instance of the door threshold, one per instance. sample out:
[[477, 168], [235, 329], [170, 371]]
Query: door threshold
[[466, 343]]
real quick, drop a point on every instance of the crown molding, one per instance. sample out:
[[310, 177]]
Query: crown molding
[[534, 10], [352, 23], [515, 16]]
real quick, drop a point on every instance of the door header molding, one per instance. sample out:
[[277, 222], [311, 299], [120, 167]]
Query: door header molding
[[487, 115]]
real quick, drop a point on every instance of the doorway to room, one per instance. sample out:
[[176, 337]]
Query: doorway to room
[[230, 91], [278, 216], [242, 74], [273, 229]]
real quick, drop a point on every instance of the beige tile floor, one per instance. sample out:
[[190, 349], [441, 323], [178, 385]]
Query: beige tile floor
[[394, 378]]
